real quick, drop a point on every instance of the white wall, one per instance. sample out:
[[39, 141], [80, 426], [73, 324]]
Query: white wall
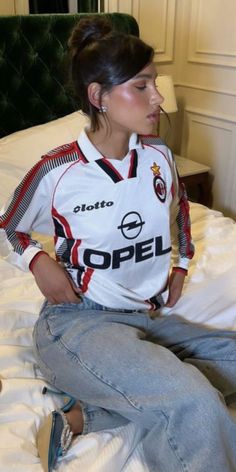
[[195, 42]]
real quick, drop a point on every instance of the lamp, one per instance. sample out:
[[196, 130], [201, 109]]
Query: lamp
[[165, 87]]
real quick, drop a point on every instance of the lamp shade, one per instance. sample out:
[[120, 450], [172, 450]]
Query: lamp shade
[[166, 88]]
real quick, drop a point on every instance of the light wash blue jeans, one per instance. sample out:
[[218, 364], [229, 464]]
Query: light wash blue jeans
[[166, 374]]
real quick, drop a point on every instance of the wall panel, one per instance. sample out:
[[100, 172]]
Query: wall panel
[[210, 42], [211, 140], [157, 26]]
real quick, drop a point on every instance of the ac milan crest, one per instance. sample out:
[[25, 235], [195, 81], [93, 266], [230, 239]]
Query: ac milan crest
[[160, 188], [158, 183]]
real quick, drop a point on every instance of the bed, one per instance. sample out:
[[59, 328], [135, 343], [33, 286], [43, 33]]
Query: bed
[[34, 120]]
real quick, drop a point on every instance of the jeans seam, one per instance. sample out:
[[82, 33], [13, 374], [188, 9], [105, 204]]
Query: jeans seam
[[173, 445], [40, 362]]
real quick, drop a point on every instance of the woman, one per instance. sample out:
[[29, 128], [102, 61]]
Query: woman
[[112, 199]]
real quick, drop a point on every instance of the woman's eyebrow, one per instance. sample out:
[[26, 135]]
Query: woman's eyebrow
[[145, 76]]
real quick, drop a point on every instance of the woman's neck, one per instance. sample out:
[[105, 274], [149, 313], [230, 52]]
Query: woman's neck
[[110, 145]]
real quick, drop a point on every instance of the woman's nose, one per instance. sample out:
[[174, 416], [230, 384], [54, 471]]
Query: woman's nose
[[156, 98]]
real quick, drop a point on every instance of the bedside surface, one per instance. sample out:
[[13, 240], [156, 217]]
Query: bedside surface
[[196, 178], [187, 167]]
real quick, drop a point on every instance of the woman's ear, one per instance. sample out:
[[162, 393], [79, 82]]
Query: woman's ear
[[94, 94]]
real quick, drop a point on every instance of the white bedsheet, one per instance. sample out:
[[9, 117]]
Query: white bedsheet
[[209, 297]]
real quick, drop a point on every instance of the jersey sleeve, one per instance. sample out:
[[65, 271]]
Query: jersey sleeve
[[28, 210], [183, 246]]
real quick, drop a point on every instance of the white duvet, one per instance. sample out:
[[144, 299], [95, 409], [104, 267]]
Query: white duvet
[[209, 297]]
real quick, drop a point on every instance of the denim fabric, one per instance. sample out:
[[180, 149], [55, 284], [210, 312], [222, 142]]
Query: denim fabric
[[165, 374]]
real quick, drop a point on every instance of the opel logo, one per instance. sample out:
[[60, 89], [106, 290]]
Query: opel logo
[[131, 225]]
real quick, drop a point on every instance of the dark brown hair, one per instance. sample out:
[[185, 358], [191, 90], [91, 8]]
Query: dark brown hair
[[100, 54]]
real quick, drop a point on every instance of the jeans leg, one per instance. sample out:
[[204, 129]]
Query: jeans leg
[[95, 418], [106, 360], [212, 351]]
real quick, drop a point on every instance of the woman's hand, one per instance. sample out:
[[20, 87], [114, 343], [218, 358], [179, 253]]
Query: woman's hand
[[54, 282], [176, 283]]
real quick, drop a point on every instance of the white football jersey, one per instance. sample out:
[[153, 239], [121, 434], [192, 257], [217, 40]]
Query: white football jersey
[[111, 219]]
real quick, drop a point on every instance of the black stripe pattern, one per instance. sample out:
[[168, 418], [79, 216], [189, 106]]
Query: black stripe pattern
[[31, 182], [109, 170], [133, 170]]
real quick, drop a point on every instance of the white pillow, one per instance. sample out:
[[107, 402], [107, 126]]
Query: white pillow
[[20, 150]]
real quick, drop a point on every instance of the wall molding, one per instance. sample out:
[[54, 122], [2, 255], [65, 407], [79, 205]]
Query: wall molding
[[231, 93], [224, 60], [210, 114], [166, 10], [21, 7]]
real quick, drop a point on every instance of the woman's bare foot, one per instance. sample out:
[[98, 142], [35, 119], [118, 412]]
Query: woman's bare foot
[[75, 419]]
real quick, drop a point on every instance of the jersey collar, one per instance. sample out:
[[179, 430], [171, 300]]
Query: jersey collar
[[92, 154]]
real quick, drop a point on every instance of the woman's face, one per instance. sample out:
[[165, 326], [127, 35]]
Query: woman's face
[[134, 106]]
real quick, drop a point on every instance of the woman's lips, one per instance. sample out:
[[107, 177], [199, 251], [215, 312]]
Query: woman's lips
[[153, 117]]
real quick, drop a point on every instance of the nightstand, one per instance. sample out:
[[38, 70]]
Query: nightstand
[[197, 180]]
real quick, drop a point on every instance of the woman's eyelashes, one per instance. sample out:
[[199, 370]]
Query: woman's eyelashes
[[140, 87]]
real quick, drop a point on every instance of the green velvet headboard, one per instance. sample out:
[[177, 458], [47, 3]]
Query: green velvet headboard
[[33, 79]]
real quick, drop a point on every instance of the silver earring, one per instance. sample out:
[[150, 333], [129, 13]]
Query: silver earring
[[102, 109]]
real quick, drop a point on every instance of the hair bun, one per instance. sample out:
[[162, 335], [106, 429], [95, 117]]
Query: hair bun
[[87, 31]]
